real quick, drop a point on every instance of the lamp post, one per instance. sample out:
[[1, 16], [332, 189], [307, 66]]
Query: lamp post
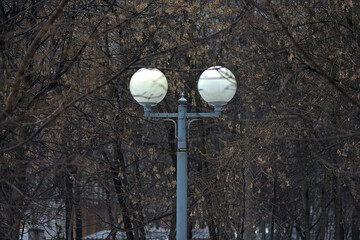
[[148, 86]]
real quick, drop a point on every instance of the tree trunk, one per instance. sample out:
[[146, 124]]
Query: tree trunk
[[124, 208], [78, 227], [263, 230], [243, 203], [172, 153], [249, 232], [10, 222], [339, 230], [189, 228], [140, 218], [355, 226], [206, 179], [112, 221], [119, 179], [323, 205], [172, 235], [355, 220], [13, 183], [301, 146], [69, 201], [306, 206], [78, 211], [273, 203]]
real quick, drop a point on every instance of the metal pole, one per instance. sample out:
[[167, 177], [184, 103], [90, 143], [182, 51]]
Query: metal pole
[[181, 179], [181, 182]]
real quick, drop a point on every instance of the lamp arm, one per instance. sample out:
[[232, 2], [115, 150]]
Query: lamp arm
[[175, 125]]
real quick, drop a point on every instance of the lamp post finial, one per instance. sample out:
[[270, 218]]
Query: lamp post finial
[[182, 100]]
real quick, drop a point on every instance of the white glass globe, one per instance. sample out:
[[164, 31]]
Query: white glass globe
[[148, 86], [217, 85]]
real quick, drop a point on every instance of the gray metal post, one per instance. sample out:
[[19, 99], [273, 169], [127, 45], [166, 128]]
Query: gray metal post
[[181, 182], [181, 187]]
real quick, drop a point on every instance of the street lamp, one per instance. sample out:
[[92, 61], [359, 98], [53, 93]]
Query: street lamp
[[148, 86]]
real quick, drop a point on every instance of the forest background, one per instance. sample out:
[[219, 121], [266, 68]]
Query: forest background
[[283, 157]]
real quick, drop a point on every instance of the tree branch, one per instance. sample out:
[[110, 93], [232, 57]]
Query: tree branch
[[19, 76], [63, 107], [307, 56]]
